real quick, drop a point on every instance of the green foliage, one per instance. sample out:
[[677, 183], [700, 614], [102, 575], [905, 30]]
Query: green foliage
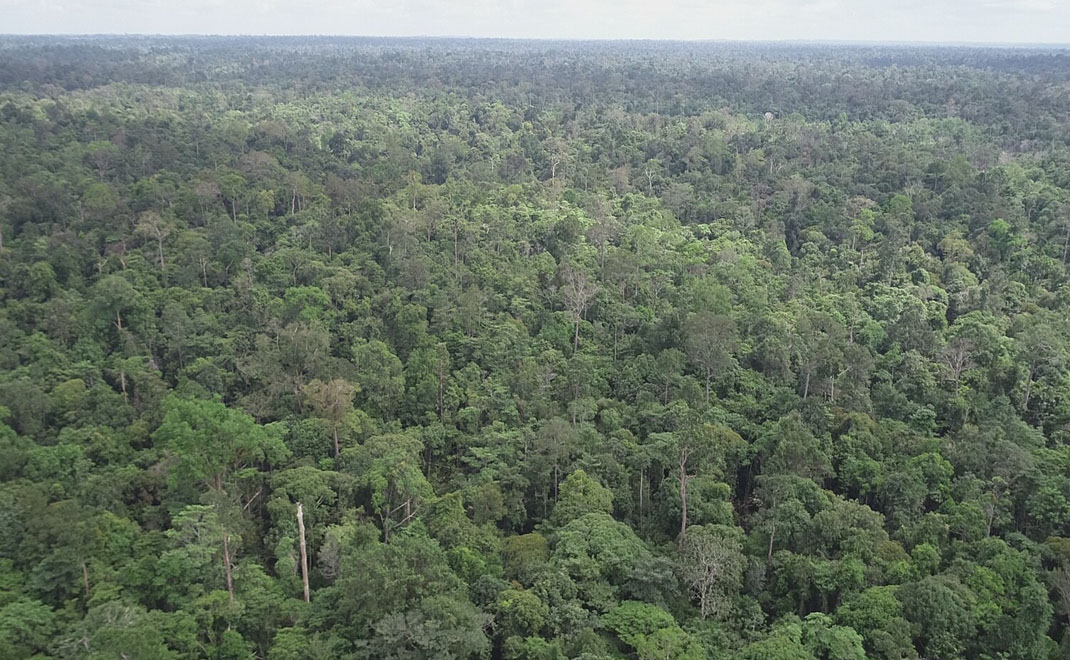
[[580, 495], [213, 443], [564, 350], [651, 632], [26, 628]]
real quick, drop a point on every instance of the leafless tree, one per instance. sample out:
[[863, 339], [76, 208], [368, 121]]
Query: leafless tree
[[711, 565], [577, 291], [958, 356]]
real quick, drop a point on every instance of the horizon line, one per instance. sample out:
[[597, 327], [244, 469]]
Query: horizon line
[[1063, 45]]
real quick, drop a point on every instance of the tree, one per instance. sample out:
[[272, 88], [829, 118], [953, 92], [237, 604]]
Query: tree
[[152, 225], [711, 341], [26, 628], [577, 292], [333, 401], [553, 442], [877, 615], [524, 555], [1041, 348], [697, 445], [940, 611], [388, 466], [216, 446], [652, 632], [304, 551], [112, 296], [102, 155], [580, 494], [711, 564], [420, 608], [379, 377]]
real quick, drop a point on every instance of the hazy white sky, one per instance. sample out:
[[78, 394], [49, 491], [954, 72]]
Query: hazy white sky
[[1028, 21]]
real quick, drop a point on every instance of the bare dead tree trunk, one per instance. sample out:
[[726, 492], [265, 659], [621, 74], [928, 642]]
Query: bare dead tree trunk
[[337, 446], [226, 565], [85, 578], [304, 552], [1028, 387], [683, 493], [990, 513], [555, 482], [772, 538], [441, 392], [642, 478], [1066, 243]]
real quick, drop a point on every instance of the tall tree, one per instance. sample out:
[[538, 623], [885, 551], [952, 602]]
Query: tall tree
[[219, 448], [331, 400], [711, 341]]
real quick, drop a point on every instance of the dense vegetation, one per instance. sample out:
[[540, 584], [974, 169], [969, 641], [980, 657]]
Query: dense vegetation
[[642, 351]]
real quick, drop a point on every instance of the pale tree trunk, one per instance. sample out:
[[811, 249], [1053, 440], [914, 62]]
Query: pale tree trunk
[[456, 238], [337, 446], [85, 578], [772, 538], [1028, 386], [226, 565], [683, 493], [304, 552], [1066, 243], [555, 482], [642, 478]]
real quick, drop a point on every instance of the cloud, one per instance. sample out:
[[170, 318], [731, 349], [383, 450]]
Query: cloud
[[1024, 5]]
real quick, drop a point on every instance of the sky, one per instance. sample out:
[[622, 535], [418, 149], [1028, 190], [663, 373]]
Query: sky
[[973, 21]]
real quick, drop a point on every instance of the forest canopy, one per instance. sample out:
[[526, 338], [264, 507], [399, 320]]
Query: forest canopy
[[396, 348]]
